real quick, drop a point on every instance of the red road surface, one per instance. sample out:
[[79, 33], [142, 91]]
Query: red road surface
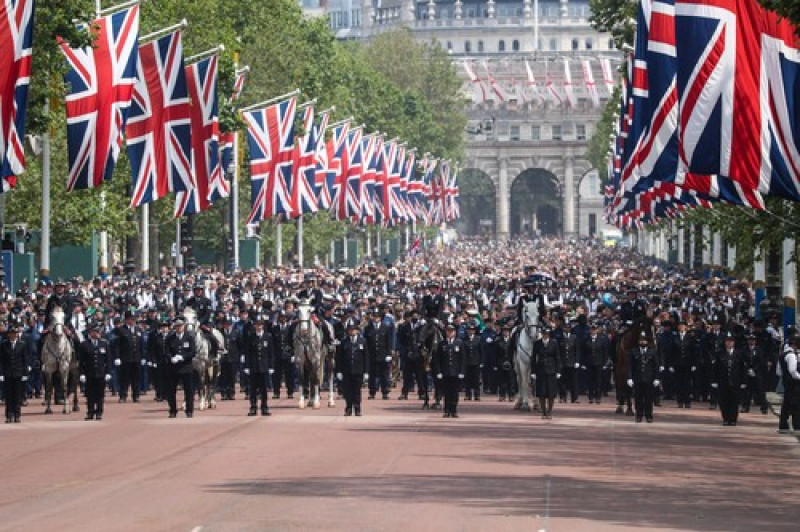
[[396, 468]]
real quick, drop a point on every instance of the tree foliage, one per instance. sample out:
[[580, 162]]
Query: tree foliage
[[790, 9]]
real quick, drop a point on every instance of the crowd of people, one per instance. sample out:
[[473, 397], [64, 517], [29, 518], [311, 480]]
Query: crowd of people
[[445, 319]]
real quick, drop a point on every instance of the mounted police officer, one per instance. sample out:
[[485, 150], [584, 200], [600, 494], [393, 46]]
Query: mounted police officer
[[433, 303], [259, 356], [95, 369], [201, 304], [352, 366]]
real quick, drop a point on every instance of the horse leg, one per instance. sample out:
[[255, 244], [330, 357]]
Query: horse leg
[[301, 385], [76, 388], [65, 387]]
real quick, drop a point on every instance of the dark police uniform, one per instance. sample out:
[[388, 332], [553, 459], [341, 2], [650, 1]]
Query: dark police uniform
[[729, 373], [473, 359], [130, 353], [380, 344], [643, 371], [158, 355], [95, 364], [181, 345], [352, 364], [595, 355], [568, 345], [14, 367], [284, 367], [450, 363], [259, 356], [547, 366], [681, 359]]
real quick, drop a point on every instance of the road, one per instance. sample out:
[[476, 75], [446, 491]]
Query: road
[[396, 468]]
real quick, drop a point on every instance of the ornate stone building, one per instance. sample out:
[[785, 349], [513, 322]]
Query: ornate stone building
[[533, 109]]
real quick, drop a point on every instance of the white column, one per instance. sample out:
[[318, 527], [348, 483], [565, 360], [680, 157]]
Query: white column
[[526, 8], [535, 25], [457, 10], [178, 243], [145, 266], [490, 11], [789, 283], [681, 245], [569, 197], [344, 250], [706, 242], [503, 214], [279, 245], [44, 252], [103, 240], [300, 256], [731, 257], [431, 10], [369, 242], [716, 249], [692, 245]]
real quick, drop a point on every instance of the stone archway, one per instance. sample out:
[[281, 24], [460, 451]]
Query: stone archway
[[536, 206], [477, 196]]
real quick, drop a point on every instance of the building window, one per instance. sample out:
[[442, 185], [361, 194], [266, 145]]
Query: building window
[[501, 46], [515, 45], [536, 132], [467, 46], [557, 132], [589, 44], [356, 18], [480, 46], [449, 46], [575, 44], [553, 45], [592, 224], [514, 132], [580, 131]]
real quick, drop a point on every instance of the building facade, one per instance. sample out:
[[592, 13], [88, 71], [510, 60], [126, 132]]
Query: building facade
[[537, 76]]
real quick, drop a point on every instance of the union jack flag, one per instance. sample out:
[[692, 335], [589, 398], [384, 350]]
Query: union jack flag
[[407, 177], [366, 185], [270, 135], [159, 130], [202, 79], [346, 188], [16, 37], [392, 203], [737, 80], [328, 162], [304, 166]]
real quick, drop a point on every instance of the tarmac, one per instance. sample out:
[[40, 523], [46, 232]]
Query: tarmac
[[397, 468]]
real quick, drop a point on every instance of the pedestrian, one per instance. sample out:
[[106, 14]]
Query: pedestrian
[[450, 366], [352, 368], [729, 374], [15, 362], [259, 364], [95, 370], [182, 350], [643, 366]]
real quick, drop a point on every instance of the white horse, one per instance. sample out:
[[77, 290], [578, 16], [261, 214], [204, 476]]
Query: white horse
[[310, 351], [205, 362], [528, 334], [58, 356]]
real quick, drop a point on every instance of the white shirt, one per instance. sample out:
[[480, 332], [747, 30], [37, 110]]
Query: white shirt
[[791, 365]]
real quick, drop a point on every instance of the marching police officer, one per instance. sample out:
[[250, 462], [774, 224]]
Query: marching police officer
[[506, 379], [158, 355], [259, 356], [229, 355], [182, 350], [95, 370], [568, 345], [546, 365], [379, 336], [352, 368], [728, 378], [595, 356], [15, 362], [450, 367], [284, 357], [473, 359], [129, 357], [756, 362], [682, 361], [643, 369]]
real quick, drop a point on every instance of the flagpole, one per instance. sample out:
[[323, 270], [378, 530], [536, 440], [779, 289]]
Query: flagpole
[[145, 238], [44, 255], [234, 199], [340, 122], [271, 100], [300, 240], [160, 33], [103, 240], [113, 9], [203, 55], [178, 251], [279, 245]]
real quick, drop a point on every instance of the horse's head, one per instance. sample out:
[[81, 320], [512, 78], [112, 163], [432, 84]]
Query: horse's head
[[190, 317], [304, 322], [530, 318], [57, 320]]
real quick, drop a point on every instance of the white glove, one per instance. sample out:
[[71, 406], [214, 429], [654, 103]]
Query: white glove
[[366, 377], [292, 360], [108, 377], [630, 383], [661, 369], [247, 371], [241, 359], [751, 372], [714, 385], [533, 376], [694, 368], [82, 378], [460, 375], [271, 371], [24, 379], [656, 383], [336, 342], [144, 362], [388, 359], [583, 367], [117, 362], [179, 357], [155, 365], [2, 379], [174, 360], [481, 366], [743, 386], [558, 375], [671, 369], [339, 376], [439, 376], [150, 364], [577, 365]]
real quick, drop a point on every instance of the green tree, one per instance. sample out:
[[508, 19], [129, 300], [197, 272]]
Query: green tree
[[790, 9]]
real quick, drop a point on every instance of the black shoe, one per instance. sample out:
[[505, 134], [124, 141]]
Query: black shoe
[[371, 396], [348, 412], [266, 412], [276, 396], [688, 405], [649, 420], [135, 399], [89, 417], [121, 400], [403, 398], [189, 414], [477, 398], [575, 401], [638, 419], [453, 415], [173, 414], [16, 419], [358, 412], [385, 396], [252, 412], [9, 420], [591, 401]]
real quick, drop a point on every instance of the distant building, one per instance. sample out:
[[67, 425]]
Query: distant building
[[528, 127]]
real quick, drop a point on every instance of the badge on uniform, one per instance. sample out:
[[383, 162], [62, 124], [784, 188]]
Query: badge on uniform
[[457, 349], [186, 345]]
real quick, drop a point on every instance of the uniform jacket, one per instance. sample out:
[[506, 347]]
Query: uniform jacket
[[130, 344], [351, 356], [449, 359], [182, 346], [473, 351], [684, 351], [548, 357], [14, 360], [259, 352], [643, 365], [730, 368], [95, 360], [595, 351]]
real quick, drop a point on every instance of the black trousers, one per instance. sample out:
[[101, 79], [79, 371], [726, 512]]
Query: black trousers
[[129, 377], [13, 388], [568, 383], [488, 377], [683, 385], [380, 378], [414, 372], [95, 395], [594, 382], [227, 379], [284, 371], [472, 382], [506, 381], [351, 389], [451, 387], [729, 403], [187, 380], [644, 394], [258, 389]]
